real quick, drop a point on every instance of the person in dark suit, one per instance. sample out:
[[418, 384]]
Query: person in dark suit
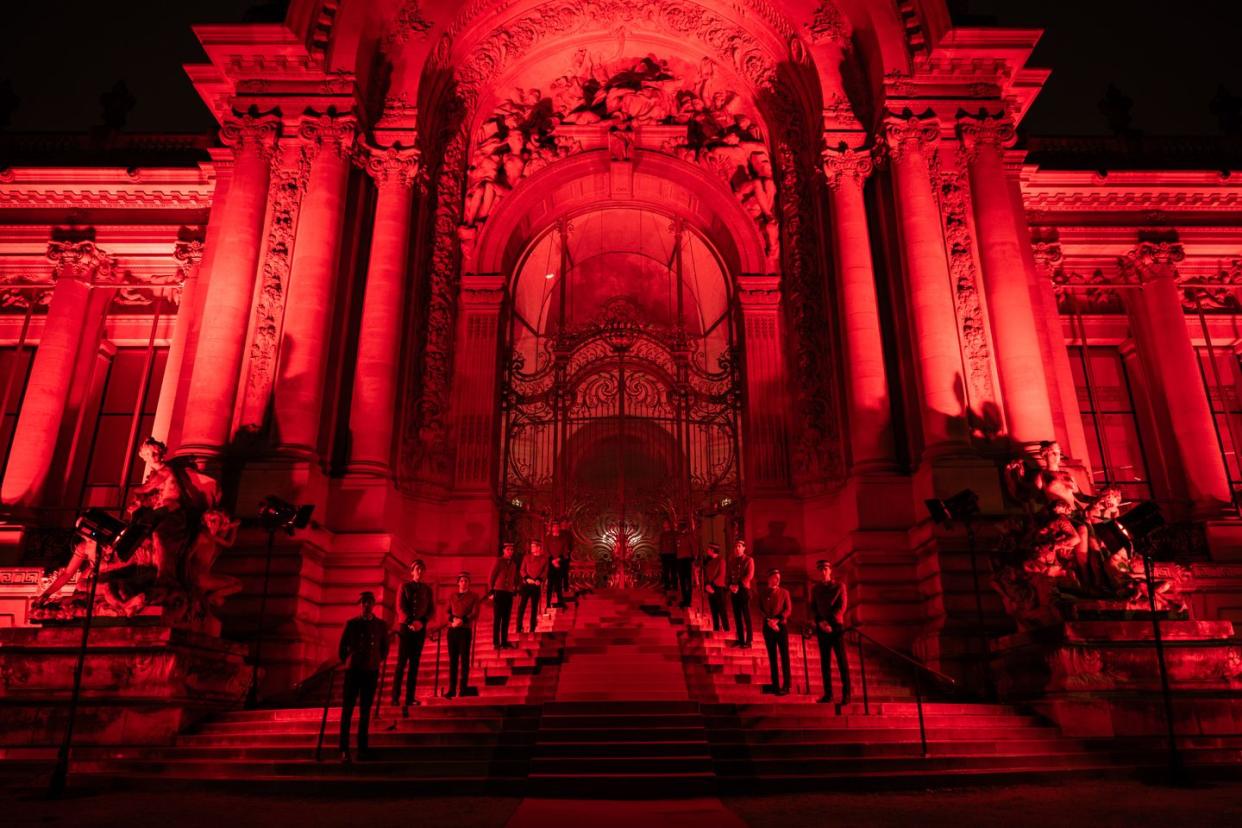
[[741, 579], [364, 646], [534, 572], [501, 585], [668, 556], [417, 604], [715, 584], [828, 615], [558, 565], [463, 608], [777, 606], [687, 552]]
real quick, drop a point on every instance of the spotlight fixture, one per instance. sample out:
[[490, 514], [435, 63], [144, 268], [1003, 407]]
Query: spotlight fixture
[[100, 527], [1131, 530], [276, 513], [962, 506]]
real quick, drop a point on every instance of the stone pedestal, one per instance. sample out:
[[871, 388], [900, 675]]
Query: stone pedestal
[[141, 685], [1101, 678]]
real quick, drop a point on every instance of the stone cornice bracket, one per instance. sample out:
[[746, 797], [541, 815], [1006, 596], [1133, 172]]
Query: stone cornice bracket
[[1152, 260], [847, 164], [400, 166], [905, 130], [329, 130], [188, 254], [983, 130], [408, 23], [1048, 256], [81, 260], [252, 131], [828, 25]]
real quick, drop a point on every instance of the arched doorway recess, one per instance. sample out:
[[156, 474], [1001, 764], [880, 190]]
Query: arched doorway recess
[[621, 389]]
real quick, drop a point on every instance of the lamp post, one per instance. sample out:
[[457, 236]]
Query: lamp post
[[275, 514]]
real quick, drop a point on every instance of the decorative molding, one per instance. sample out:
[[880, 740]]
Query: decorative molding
[[996, 132], [330, 131], [397, 166], [83, 261], [408, 24], [1151, 260], [828, 25], [847, 165], [903, 131], [257, 132]]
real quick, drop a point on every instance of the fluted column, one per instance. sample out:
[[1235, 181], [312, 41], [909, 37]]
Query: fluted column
[[230, 288], [312, 286], [767, 451], [1174, 369], [932, 308], [1020, 363], [69, 320], [190, 254], [374, 401], [871, 428]]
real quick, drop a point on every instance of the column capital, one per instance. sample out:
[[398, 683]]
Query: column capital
[[901, 131], [189, 254], [1047, 255], [396, 165], [981, 130], [329, 130], [80, 260], [843, 164], [759, 291], [258, 132], [1151, 261]]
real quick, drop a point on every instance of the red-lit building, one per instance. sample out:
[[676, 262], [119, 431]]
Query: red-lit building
[[448, 269]]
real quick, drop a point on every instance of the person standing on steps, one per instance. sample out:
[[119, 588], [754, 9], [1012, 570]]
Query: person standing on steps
[[567, 556], [557, 564], [686, 553], [741, 577], [534, 572], [777, 607], [463, 608], [668, 557], [828, 616], [364, 645], [501, 585], [416, 603], [715, 584]]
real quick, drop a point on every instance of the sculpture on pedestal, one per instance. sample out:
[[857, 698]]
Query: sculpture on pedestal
[[1069, 552], [163, 559]]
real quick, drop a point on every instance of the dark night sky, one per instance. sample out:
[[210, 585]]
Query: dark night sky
[[61, 54]]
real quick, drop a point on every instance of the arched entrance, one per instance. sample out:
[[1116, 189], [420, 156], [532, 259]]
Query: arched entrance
[[621, 390]]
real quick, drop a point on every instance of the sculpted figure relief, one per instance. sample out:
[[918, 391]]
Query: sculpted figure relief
[[1067, 553], [531, 130]]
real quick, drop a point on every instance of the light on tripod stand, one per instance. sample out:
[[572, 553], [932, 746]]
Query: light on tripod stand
[[963, 508], [960, 507], [275, 514]]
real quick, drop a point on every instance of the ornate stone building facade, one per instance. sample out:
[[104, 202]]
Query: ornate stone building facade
[[839, 284]]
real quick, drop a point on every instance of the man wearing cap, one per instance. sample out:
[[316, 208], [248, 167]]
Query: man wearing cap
[[828, 615], [715, 580], [533, 573], [558, 564], [416, 603], [686, 553], [364, 645], [741, 577], [776, 606], [501, 585], [463, 608]]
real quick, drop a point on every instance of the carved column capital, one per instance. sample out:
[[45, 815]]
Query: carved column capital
[[1152, 260], [902, 132], [849, 165], [329, 131], [80, 260], [189, 254], [257, 132], [397, 166], [985, 131], [1048, 255]]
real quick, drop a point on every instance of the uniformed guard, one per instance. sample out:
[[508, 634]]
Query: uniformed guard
[[668, 557], [364, 645], [417, 604], [501, 585], [687, 551], [558, 565], [534, 572], [777, 606], [715, 584], [741, 578], [828, 614], [463, 608]]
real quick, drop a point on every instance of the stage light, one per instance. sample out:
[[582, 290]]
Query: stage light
[[276, 513], [962, 506], [549, 276]]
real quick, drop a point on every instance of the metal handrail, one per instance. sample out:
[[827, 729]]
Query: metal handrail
[[914, 662]]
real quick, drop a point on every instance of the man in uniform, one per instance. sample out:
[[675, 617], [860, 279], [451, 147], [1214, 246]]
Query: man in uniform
[[776, 607], [501, 585], [416, 603], [533, 573], [686, 553], [741, 577], [715, 581], [364, 645], [463, 608], [668, 556], [828, 615], [558, 564]]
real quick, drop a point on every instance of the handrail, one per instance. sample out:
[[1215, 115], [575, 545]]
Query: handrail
[[908, 659]]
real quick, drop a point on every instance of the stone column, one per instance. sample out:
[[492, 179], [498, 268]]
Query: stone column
[[1173, 368], [871, 428], [190, 254], [304, 344], [1020, 363], [767, 433], [932, 308], [230, 288], [373, 406], [77, 265]]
